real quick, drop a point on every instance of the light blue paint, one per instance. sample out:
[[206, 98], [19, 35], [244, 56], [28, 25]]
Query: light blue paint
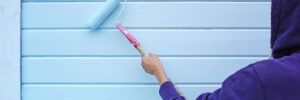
[[63, 60], [106, 92], [103, 13], [128, 69], [10, 57], [161, 42], [194, 15]]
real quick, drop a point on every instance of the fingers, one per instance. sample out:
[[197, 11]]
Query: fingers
[[151, 55], [145, 68], [143, 59], [142, 64]]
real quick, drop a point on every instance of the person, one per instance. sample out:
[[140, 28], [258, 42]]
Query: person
[[272, 79]]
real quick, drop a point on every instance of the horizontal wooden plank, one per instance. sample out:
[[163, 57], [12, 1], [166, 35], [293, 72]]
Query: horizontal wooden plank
[[128, 69], [148, 0], [160, 42], [150, 14], [106, 92]]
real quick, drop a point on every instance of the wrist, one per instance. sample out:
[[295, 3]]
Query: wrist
[[161, 77], [158, 70]]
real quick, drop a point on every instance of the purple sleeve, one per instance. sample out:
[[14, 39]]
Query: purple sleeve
[[168, 92], [243, 85]]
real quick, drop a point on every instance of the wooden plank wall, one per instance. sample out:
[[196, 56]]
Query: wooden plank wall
[[10, 50], [200, 44]]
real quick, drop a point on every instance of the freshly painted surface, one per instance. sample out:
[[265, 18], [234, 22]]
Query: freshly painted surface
[[10, 56], [200, 44], [162, 42], [182, 15], [127, 69], [105, 92]]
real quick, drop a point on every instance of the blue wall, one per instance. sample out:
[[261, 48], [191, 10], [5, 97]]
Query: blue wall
[[200, 44]]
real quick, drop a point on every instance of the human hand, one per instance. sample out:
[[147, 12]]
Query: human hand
[[152, 65]]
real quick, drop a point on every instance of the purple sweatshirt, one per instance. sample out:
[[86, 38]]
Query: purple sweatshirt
[[274, 79]]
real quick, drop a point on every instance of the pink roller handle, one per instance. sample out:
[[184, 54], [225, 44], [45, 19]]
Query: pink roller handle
[[126, 33], [131, 39]]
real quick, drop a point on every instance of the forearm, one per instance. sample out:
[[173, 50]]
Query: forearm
[[161, 77], [152, 65]]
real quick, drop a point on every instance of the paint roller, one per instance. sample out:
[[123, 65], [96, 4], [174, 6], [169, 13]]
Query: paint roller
[[104, 13]]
